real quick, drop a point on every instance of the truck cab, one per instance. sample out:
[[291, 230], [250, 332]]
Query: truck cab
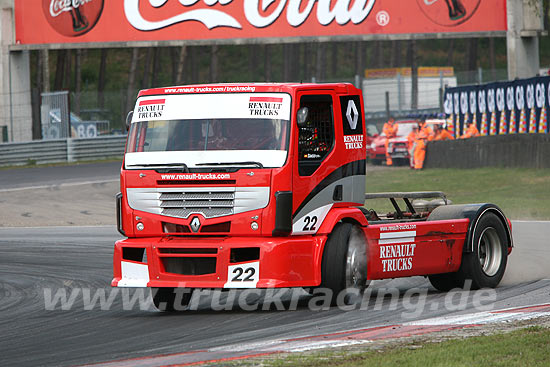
[[261, 186]]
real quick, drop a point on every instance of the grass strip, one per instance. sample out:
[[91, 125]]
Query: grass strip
[[521, 193], [524, 347]]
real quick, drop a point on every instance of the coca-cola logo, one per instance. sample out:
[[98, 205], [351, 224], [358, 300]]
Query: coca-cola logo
[[449, 13], [259, 13], [72, 18]]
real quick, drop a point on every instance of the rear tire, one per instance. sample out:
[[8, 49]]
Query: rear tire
[[344, 263], [484, 267], [486, 264], [171, 299]]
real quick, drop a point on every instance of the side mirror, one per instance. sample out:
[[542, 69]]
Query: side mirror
[[129, 119], [302, 116]]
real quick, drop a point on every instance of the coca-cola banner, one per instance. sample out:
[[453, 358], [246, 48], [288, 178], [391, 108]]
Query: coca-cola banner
[[82, 21], [515, 107]]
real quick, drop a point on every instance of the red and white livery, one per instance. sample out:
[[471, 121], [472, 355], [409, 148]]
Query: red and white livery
[[263, 185]]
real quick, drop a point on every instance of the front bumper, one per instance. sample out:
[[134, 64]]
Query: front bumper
[[218, 262], [399, 153]]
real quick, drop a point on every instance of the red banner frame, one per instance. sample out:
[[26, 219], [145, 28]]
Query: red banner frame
[[112, 21]]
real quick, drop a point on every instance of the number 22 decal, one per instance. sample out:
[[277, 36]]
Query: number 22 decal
[[310, 223], [238, 272], [245, 275]]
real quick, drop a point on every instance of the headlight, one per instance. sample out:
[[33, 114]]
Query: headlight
[[373, 146]]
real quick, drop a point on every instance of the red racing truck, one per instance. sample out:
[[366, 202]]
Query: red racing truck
[[263, 186]]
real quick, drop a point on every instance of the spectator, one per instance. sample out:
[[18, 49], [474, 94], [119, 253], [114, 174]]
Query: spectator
[[425, 128], [420, 150], [390, 130], [411, 144], [471, 130], [441, 133]]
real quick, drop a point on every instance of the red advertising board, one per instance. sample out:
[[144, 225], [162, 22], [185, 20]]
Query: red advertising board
[[98, 21]]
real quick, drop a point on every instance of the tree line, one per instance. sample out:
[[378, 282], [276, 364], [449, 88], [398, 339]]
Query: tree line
[[137, 68]]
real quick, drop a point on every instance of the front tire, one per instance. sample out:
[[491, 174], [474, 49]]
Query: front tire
[[344, 263], [171, 299]]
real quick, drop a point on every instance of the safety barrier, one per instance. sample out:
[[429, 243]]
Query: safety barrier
[[518, 150], [61, 150], [95, 148]]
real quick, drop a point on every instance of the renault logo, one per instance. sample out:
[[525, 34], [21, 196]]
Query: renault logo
[[195, 224], [352, 114]]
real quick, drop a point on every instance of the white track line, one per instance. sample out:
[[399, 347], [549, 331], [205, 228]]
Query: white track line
[[58, 185], [485, 317], [479, 318], [282, 345], [523, 307], [61, 227], [530, 221]]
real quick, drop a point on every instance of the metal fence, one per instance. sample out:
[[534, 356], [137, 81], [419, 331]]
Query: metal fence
[[54, 113], [61, 150], [109, 112]]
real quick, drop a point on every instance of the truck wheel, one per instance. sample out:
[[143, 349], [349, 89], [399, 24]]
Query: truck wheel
[[344, 263], [165, 299], [486, 264]]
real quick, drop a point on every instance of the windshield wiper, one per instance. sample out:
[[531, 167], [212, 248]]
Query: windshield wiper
[[169, 166], [248, 163]]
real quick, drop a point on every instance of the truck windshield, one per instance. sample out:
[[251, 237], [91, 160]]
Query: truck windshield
[[208, 134], [222, 128]]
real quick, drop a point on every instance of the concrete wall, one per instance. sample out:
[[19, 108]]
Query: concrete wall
[[525, 24], [518, 150], [15, 85]]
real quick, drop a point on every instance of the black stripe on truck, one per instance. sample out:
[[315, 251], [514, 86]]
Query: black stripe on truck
[[355, 168]]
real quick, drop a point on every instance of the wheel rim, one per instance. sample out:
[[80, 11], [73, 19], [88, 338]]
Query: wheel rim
[[356, 261], [489, 251]]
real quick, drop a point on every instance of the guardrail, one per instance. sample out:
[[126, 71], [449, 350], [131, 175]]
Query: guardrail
[[95, 148], [61, 150]]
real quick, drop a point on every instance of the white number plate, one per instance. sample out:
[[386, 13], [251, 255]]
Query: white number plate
[[244, 275]]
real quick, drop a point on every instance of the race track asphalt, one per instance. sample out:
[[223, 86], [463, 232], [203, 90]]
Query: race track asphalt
[[58, 175], [35, 260]]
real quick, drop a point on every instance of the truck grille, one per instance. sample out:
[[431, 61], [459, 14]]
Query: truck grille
[[189, 265], [209, 202], [206, 212]]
